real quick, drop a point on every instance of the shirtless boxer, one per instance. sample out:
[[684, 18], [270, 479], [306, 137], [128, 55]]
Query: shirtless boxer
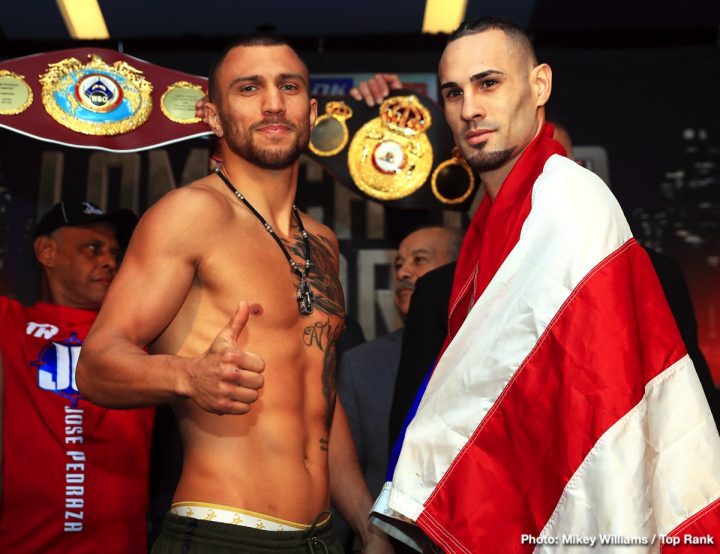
[[240, 341]]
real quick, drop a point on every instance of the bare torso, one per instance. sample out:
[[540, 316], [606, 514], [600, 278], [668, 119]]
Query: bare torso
[[272, 460]]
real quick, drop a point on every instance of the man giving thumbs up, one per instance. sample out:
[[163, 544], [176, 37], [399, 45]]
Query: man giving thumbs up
[[227, 307]]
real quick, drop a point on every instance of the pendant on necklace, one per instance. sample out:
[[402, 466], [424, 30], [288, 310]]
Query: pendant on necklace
[[305, 297]]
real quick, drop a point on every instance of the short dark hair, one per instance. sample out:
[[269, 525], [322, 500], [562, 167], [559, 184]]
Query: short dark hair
[[253, 40], [482, 24]]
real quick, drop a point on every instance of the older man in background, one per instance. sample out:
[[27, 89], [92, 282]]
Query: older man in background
[[366, 378], [74, 475]]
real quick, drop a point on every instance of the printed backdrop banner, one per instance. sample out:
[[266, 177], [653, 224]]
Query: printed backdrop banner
[[98, 98]]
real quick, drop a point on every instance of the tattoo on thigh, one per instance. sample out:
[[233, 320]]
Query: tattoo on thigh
[[324, 445]]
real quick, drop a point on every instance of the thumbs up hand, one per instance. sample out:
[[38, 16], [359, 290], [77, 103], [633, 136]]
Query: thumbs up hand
[[225, 380]]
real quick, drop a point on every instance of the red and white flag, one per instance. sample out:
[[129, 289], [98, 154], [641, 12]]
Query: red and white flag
[[565, 411]]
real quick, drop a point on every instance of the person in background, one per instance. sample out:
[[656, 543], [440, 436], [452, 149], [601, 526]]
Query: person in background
[[74, 474], [366, 375]]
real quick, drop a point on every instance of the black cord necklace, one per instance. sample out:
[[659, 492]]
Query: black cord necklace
[[304, 295]]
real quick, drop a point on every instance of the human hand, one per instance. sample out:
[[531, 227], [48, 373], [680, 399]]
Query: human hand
[[375, 90], [225, 380]]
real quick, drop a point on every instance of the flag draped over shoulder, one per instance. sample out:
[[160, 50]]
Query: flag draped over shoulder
[[565, 407]]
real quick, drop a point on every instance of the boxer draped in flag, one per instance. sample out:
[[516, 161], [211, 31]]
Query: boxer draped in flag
[[564, 409]]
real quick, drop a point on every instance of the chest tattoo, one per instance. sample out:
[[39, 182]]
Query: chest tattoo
[[322, 334]]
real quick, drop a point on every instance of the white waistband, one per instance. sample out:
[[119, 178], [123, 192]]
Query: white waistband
[[234, 516]]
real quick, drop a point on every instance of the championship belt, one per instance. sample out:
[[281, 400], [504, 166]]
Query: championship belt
[[400, 154], [390, 156], [98, 98], [453, 181], [330, 133]]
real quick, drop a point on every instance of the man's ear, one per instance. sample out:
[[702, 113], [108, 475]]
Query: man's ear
[[213, 119], [313, 111], [45, 248], [541, 81]]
